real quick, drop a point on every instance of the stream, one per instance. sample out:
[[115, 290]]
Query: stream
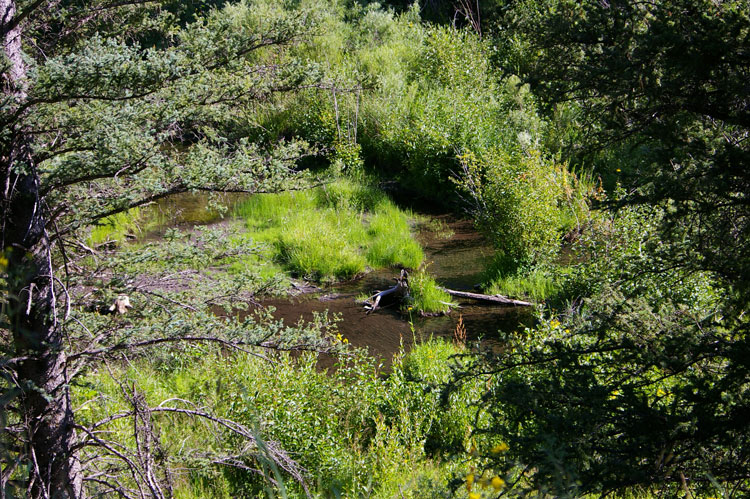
[[456, 254], [456, 263]]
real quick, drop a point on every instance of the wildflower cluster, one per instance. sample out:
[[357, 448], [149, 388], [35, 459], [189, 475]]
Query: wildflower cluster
[[341, 339], [485, 481]]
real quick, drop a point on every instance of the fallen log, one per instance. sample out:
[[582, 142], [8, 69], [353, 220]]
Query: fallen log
[[488, 298], [401, 288]]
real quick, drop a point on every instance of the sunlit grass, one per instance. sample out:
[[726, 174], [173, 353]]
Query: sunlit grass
[[115, 228], [536, 285], [332, 232], [426, 295], [392, 243], [323, 244], [345, 427]]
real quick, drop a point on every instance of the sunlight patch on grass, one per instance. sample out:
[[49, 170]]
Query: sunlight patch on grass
[[332, 232]]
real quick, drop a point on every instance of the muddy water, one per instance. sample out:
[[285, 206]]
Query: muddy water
[[456, 262]]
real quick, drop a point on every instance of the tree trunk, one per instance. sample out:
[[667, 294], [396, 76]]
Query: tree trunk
[[41, 372]]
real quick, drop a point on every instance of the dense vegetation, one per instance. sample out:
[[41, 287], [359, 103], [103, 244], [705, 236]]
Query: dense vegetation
[[600, 147]]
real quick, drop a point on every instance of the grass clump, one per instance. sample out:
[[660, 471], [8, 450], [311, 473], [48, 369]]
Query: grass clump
[[332, 232], [391, 242], [351, 195], [537, 285], [323, 244], [426, 295]]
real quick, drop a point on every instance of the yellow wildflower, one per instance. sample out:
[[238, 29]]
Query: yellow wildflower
[[345, 341], [498, 483], [469, 480], [474, 495], [501, 447], [3, 262]]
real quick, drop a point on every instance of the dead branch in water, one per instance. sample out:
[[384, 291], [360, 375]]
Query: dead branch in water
[[401, 291], [499, 299]]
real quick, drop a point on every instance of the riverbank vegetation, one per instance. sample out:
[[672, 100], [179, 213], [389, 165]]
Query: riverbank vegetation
[[600, 148], [351, 432], [333, 232]]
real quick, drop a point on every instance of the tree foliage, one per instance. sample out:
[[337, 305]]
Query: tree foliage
[[107, 106], [668, 80], [642, 379]]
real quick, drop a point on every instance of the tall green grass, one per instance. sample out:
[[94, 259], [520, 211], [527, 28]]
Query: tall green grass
[[116, 228], [323, 244], [426, 295], [536, 285], [332, 232], [357, 433], [502, 276], [391, 242]]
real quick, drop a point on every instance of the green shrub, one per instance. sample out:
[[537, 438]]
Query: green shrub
[[516, 200], [356, 432]]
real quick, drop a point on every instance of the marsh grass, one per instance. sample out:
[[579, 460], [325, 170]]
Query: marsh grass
[[391, 243], [332, 232], [537, 285], [425, 294]]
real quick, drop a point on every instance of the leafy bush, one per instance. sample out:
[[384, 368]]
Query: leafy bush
[[628, 388], [516, 202]]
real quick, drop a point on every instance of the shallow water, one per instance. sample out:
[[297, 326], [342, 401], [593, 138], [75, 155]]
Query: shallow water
[[456, 263]]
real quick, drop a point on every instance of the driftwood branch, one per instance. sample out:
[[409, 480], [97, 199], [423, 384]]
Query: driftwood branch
[[400, 290], [499, 299]]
